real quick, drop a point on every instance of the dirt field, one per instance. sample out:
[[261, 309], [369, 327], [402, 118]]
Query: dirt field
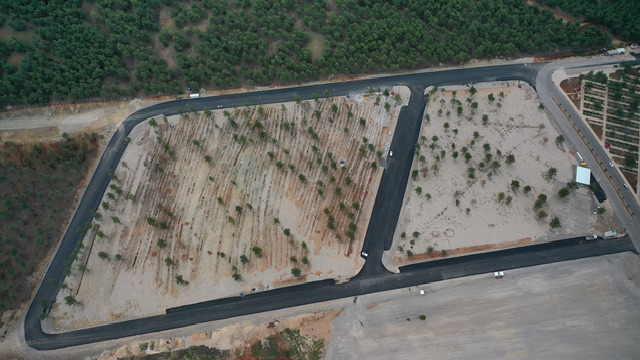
[[50, 122], [567, 306], [207, 206], [242, 339], [468, 205]]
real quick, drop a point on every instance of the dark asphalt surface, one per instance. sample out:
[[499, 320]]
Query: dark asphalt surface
[[373, 276]]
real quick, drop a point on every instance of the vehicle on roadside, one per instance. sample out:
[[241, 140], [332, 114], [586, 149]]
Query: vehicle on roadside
[[591, 237], [611, 164], [364, 254], [390, 153]]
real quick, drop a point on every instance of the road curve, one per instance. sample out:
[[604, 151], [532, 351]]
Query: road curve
[[372, 278]]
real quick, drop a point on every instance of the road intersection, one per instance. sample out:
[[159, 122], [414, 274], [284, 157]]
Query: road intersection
[[373, 277]]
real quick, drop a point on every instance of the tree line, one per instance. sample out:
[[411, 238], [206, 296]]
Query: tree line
[[70, 50], [618, 15]]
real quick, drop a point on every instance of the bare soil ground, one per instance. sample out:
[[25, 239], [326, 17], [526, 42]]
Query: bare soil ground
[[455, 206], [242, 340], [567, 306], [42, 123], [250, 194]]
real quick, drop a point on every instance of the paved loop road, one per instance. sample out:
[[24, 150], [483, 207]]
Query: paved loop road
[[372, 278]]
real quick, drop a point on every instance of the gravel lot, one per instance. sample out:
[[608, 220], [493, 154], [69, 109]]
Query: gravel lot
[[573, 310]]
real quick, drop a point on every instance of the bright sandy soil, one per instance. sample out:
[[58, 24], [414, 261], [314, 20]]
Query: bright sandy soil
[[184, 195], [49, 122], [317, 326], [518, 127]]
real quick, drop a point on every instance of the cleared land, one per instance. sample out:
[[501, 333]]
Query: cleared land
[[294, 337], [579, 309], [482, 161], [211, 205]]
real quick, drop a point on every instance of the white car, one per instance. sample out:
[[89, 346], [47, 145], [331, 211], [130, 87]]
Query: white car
[[390, 153], [625, 185], [364, 254], [611, 164]]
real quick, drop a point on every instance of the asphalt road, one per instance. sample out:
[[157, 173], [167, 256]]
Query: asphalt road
[[379, 233], [388, 202], [326, 290]]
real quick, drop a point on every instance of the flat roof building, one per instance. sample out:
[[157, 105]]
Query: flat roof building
[[583, 175]]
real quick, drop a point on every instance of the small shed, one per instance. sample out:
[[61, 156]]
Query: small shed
[[583, 175]]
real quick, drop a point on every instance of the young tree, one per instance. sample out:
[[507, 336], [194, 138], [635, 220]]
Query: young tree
[[181, 281], [510, 159], [540, 201], [555, 223], [515, 185], [256, 250], [564, 192], [70, 300], [103, 255], [244, 259], [296, 272]]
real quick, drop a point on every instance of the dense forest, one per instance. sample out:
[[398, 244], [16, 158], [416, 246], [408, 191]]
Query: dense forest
[[621, 16], [64, 50]]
